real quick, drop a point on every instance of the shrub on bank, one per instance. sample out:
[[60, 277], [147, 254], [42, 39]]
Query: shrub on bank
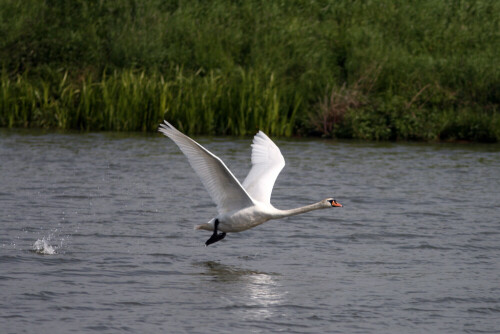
[[370, 69]]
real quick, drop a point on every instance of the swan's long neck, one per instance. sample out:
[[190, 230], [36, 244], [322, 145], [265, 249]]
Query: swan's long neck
[[292, 212]]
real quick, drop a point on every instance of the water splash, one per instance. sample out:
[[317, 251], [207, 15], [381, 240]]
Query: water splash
[[42, 246]]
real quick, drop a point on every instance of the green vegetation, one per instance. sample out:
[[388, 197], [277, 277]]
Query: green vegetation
[[376, 70], [129, 101]]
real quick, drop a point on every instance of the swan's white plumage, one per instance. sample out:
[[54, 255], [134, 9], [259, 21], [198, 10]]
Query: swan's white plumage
[[267, 163], [239, 207], [225, 190]]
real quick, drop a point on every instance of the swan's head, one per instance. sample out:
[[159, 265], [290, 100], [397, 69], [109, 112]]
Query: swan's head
[[331, 202]]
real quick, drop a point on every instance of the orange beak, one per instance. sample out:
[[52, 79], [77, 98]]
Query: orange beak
[[337, 204]]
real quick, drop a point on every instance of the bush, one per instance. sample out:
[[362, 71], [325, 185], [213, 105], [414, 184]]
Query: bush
[[291, 66]]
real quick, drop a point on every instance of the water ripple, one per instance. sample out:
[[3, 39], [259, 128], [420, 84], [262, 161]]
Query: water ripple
[[414, 249]]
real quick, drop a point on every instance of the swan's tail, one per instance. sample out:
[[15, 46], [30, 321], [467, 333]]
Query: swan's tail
[[207, 226]]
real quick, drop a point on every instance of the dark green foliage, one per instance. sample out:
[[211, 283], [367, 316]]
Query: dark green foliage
[[425, 70]]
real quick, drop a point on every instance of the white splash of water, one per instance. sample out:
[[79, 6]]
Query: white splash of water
[[42, 246]]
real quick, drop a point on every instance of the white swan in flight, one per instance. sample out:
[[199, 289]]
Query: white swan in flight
[[239, 206]]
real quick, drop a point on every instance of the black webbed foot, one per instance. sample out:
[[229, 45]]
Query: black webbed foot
[[215, 236]]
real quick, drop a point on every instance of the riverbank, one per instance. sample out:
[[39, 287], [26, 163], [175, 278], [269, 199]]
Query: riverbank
[[376, 71]]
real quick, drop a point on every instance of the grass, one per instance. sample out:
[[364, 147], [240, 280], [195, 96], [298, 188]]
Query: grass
[[375, 70], [130, 100]]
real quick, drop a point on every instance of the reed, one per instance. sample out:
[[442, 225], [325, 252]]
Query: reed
[[237, 104]]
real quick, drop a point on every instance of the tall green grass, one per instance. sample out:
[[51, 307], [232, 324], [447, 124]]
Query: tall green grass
[[396, 69], [237, 104]]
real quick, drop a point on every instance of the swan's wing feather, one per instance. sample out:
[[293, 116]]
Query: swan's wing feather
[[267, 163], [225, 190]]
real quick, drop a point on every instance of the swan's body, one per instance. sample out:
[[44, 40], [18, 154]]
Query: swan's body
[[239, 206]]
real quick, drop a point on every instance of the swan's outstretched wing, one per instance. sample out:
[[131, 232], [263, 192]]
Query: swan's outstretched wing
[[267, 163], [225, 190]]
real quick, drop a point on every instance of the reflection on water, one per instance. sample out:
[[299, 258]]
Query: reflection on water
[[263, 292], [258, 291]]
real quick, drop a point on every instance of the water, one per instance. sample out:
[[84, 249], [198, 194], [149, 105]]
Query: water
[[97, 237]]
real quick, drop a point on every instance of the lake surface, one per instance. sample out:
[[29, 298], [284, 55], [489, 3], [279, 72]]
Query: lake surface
[[97, 236]]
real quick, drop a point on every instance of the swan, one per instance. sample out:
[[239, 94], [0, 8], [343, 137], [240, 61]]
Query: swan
[[239, 206]]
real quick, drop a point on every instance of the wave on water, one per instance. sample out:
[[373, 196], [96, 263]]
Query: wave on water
[[42, 246]]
